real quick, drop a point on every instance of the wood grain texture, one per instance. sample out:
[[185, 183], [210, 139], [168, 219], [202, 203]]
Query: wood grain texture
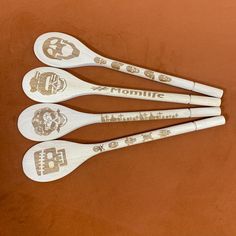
[[170, 187]]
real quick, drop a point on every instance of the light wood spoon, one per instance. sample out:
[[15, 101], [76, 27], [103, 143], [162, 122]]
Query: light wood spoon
[[48, 84], [52, 160], [42, 122], [64, 51]]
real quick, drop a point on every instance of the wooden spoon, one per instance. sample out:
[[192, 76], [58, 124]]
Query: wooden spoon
[[47, 84], [64, 51], [43, 122], [53, 160]]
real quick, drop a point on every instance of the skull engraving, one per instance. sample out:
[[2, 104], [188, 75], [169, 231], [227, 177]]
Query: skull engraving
[[45, 121], [49, 160], [132, 69], [164, 78], [149, 74], [57, 48], [100, 60], [116, 65], [147, 137], [113, 144], [130, 140], [47, 83]]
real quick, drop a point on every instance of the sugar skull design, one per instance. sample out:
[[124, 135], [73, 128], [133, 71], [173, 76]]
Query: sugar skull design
[[113, 144], [150, 74], [164, 78], [47, 83], [147, 137], [46, 120], [58, 49], [130, 140], [116, 65], [99, 60], [49, 160], [132, 69]]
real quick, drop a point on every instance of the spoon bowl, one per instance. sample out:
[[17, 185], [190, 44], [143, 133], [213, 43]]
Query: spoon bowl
[[47, 84], [63, 50], [52, 160], [42, 122]]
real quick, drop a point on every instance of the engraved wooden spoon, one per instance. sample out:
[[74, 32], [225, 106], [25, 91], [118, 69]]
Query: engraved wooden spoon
[[52, 160], [42, 122], [64, 51], [48, 84]]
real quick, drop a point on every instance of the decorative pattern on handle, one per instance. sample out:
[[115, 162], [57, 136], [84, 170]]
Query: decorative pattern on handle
[[116, 65], [159, 77], [149, 74], [132, 69], [100, 60], [131, 92], [119, 117], [164, 78], [100, 88], [98, 148], [131, 140]]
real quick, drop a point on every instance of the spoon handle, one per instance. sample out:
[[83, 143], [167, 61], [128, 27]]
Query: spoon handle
[[155, 96], [159, 134], [159, 77], [160, 114]]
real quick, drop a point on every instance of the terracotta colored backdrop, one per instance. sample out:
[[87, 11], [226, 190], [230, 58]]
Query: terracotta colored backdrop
[[184, 185]]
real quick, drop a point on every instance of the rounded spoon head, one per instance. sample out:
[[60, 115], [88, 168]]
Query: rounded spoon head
[[52, 160], [42, 122], [62, 50], [48, 84]]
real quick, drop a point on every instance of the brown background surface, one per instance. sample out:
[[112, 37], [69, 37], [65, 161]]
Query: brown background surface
[[184, 185]]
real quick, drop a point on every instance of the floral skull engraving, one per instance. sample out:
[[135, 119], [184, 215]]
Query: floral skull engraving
[[47, 83], [49, 160], [46, 120], [57, 48]]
